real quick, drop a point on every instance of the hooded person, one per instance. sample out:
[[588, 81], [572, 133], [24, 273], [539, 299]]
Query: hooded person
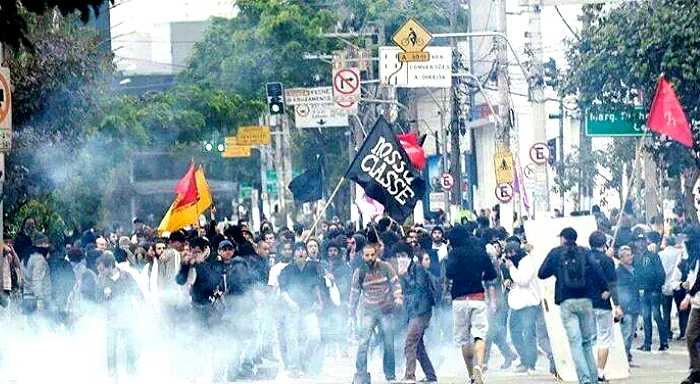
[[469, 267]]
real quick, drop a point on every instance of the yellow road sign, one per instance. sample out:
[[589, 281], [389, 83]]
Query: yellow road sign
[[253, 135], [411, 57], [412, 36], [503, 162], [234, 149]]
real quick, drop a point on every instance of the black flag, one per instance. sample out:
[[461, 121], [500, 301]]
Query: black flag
[[385, 172], [309, 185]]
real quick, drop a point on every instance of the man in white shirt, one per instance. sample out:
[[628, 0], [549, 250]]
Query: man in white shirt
[[439, 243], [523, 300], [670, 256], [286, 252]]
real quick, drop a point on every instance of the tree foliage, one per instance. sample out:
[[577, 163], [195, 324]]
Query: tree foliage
[[15, 16], [618, 61]]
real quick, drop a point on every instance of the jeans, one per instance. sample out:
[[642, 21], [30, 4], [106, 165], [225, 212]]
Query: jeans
[[678, 296], [577, 318], [666, 305], [415, 348], [693, 339], [498, 334], [543, 337], [628, 326], [651, 304], [368, 321], [114, 335], [523, 334], [303, 339]]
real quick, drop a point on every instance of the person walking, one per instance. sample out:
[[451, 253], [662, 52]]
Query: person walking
[[469, 267], [651, 277], [377, 291], [578, 278], [602, 308], [419, 295], [628, 296]]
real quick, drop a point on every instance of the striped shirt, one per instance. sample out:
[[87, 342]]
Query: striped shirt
[[378, 287]]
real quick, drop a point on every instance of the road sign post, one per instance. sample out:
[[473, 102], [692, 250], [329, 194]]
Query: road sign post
[[5, 111], [503, 163], [253, 135], [315, 108]]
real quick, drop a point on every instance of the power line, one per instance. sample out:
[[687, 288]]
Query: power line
[[556, 7]]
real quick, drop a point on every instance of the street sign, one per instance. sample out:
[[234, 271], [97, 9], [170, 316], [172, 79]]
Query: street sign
[[601, 122], [435, 73], [447, 181], [412, 36], [503, 162], [539, 153], [316, 108], [346, 88], [234, 149], [5, 111], [529, 171], [253, 135], [504, 192], [438, 201]]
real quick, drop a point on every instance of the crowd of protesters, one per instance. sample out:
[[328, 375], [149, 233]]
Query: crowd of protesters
[[286, 299]]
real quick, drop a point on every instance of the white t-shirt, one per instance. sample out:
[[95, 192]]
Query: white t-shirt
[[275, 271]]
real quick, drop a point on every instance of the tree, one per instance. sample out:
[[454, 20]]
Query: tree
[[15, 16], [618, 60]]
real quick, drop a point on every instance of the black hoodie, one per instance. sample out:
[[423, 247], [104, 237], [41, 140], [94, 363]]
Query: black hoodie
[[467, 263]]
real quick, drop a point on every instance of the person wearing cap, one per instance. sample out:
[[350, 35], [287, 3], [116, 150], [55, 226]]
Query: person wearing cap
[[602, 309], [524, 300], [37, 278], [578, 278], [651, 276]]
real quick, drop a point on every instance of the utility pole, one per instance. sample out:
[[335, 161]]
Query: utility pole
[[455, 163], [2, 172], [287, 166], [537, 100], [504, 107]]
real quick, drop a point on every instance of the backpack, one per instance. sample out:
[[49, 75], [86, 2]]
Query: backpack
[[573, 268]]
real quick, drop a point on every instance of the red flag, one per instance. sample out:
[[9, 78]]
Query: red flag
[[666, 116], [409, 142]]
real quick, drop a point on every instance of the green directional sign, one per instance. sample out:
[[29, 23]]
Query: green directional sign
[[245, 192], [608, 122]]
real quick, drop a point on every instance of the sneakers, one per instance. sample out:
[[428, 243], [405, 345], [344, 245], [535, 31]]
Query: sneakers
[[506, 364], [520, 369], [478, 375], [663, 348], [692, 379], [602, 379], [644, 348]]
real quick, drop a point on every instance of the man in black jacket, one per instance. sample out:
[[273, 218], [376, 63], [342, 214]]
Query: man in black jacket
[[651, 277], [469, 266], [602, 309], [578, 279]]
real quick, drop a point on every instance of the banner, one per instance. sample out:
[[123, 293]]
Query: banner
[[384, 170]]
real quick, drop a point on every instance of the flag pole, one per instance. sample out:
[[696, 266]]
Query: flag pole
[[325, 206], [630, 184]]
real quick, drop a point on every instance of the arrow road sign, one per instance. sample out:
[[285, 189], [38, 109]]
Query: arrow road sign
[[346, 88]]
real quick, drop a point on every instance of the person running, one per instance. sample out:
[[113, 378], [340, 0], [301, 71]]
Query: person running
[[469, 267]]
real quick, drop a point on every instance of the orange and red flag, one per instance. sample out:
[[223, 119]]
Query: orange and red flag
[[192, 199]]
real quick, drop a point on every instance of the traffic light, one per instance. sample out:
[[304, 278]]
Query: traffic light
[[275, 98], [552, 144], [210, 146], [551, 73]]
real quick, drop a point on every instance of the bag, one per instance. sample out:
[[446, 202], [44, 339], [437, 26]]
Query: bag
[[573, 268]]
